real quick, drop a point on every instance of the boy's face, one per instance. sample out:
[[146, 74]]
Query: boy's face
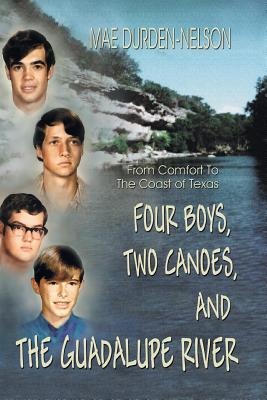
[[29, 78], [58, 297], [20, 246], [61, 153]]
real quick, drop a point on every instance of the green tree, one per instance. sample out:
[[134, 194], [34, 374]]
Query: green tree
[[203, 127], [257, 132], [181, 136], [193, 103], [117, 64], [162, 94], [232, 130], [161, 140]]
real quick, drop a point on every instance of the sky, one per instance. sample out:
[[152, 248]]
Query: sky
[[225, 79]]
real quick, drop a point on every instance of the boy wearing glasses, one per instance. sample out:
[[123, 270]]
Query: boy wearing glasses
[[58, 276], [22, 224]]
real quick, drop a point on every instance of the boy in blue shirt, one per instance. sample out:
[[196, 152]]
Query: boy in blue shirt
[[58, 276]]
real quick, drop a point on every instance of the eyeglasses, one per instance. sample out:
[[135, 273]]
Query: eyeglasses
[[21, 230]]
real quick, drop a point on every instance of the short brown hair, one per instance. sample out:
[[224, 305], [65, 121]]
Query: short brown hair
[[57, 262]]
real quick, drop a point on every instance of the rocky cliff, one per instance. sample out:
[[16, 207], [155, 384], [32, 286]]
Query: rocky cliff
[[113, 108]]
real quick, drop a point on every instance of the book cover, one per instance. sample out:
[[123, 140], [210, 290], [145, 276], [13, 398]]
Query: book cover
[[144, 139]]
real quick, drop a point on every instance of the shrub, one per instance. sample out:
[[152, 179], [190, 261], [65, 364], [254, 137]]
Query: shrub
[[161, 140], [119, 145]]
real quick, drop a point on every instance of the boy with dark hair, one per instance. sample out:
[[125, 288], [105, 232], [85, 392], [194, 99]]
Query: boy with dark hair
[[58, 140], [22, 43], [30, 61], [22, 224], [58, 275], [72, 124]]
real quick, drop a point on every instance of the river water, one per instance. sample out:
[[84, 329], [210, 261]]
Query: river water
[[161, 305]]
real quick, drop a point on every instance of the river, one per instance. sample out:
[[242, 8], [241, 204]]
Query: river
[[161, 305]]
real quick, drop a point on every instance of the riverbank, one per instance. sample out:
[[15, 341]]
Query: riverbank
[[105, 160]]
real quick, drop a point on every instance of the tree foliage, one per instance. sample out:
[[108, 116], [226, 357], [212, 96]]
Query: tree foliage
[[173, 99], [162, 94], [117, 145], [117, 64], [257, 131], [206, 131], [193, 103], [161, 140]]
